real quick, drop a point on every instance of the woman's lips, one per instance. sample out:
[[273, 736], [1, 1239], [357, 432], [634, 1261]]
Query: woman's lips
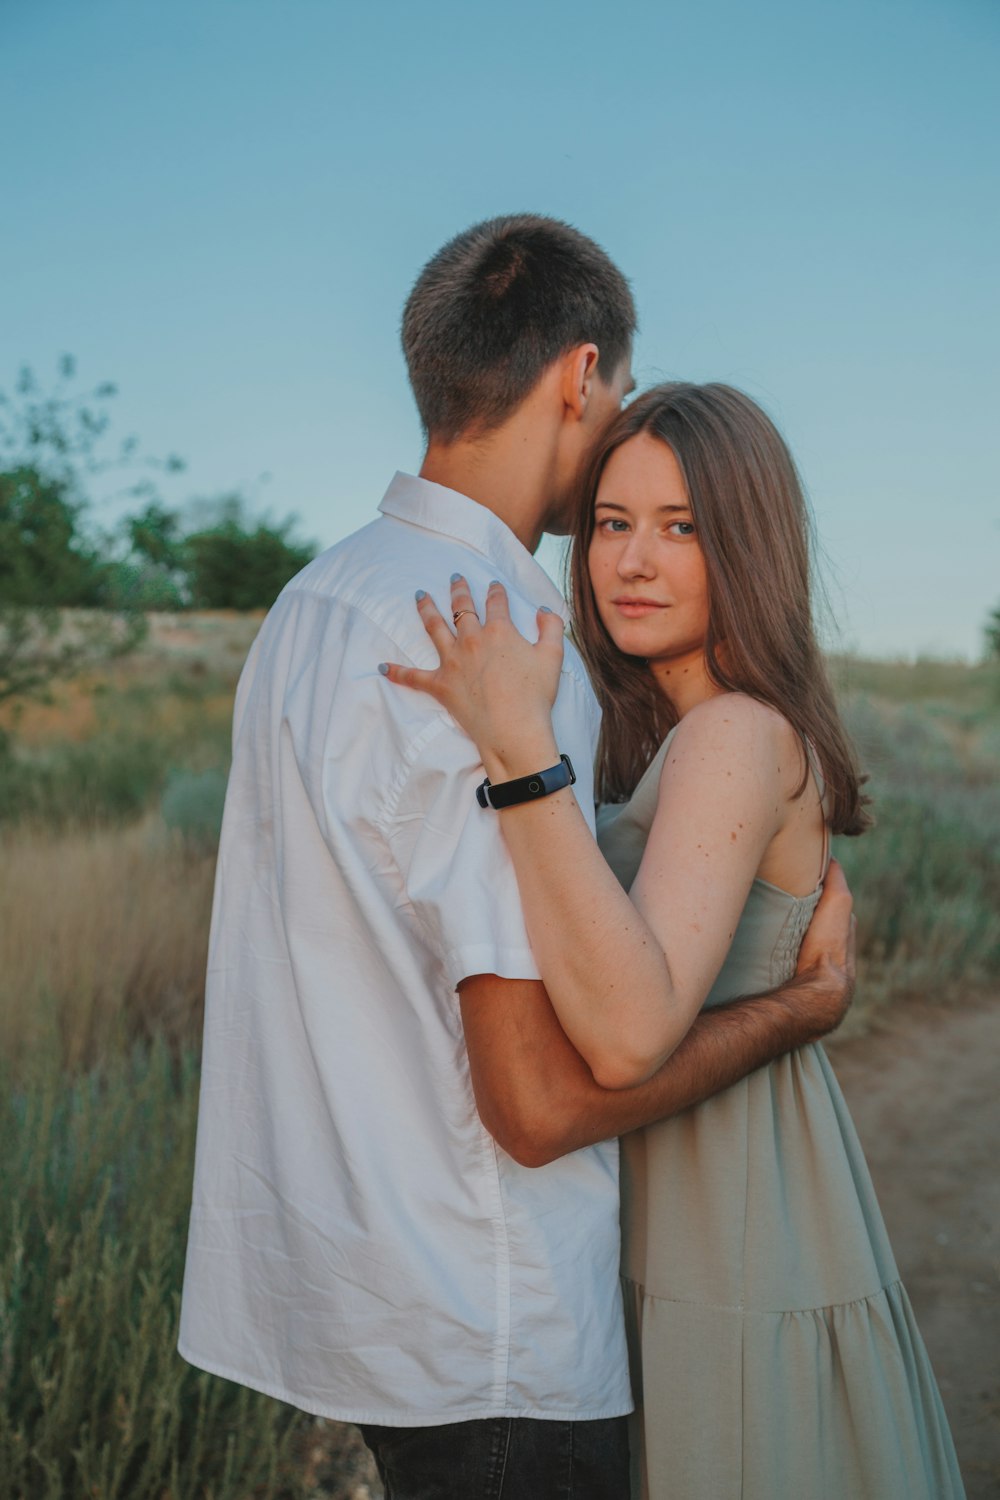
[[636, 609]]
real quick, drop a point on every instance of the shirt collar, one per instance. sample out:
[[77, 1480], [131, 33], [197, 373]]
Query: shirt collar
[[434, 507]]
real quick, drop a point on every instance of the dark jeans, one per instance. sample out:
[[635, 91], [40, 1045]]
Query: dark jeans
[[503, 1458]]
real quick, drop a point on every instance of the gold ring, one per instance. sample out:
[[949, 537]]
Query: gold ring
[[460, 612]]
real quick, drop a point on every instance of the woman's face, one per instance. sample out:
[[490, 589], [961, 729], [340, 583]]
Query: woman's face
[[645, 560]]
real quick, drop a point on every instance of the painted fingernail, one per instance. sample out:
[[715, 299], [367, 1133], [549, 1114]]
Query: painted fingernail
[[421, 594], [456, 578], [495, 583], [545, 609], [383, 667]]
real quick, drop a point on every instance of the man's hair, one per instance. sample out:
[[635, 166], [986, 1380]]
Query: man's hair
[[496, 306]]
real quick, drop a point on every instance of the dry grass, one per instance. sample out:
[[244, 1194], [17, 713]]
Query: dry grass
[[102, 942], [104, 918], [103, 934]]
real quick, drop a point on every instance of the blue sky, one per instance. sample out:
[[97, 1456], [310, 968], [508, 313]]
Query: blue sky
[[221, 206]]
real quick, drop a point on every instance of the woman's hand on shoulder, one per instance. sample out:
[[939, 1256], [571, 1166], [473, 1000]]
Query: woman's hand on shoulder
[[498, 686]]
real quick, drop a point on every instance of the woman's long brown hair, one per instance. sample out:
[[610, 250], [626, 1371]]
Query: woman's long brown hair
[[753, 527]]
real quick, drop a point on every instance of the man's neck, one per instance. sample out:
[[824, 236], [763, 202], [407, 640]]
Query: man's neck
[[510, 472]]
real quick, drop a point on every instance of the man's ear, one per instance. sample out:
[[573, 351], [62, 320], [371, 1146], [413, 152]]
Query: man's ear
[[579, 372]]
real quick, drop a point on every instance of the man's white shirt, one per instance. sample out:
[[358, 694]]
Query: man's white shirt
[[359, 1245]]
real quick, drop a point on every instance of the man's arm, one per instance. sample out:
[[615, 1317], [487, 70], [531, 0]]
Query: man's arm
[[538, 1099]]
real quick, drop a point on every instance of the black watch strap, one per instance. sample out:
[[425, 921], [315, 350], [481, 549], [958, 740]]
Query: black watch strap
[[527, 788]]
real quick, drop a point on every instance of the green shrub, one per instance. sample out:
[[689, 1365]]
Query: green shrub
[[45, 558], [106, 779], [136, 585], [927, 894], [192, 805], [926, 879], [95, 1180], [147, 733], [235, 566]]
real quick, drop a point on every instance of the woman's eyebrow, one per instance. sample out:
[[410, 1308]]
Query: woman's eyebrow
[[610, 505]]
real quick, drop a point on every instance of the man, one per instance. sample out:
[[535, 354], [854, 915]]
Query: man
[[405, 1202]]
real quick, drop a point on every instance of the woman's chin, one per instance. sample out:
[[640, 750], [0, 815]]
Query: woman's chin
[[636, 641]]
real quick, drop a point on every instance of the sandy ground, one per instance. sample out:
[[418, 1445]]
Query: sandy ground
[[924, 1093], [923, 1089]]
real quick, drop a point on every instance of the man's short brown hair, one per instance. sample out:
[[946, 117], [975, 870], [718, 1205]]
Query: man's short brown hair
[[496, 306]]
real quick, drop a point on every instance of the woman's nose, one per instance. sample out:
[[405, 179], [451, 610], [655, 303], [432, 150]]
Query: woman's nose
[[635, 559]]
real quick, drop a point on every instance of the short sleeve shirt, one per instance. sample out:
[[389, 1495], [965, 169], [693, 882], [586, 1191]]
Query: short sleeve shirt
[[359, 1245]]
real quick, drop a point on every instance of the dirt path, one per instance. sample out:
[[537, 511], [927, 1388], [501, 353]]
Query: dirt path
[[924, 1093]]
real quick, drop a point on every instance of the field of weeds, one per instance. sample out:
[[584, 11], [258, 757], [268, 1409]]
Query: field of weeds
[[110, 799], [926, 880]]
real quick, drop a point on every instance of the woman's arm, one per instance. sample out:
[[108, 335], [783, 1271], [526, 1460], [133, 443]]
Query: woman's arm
[[626, 977]]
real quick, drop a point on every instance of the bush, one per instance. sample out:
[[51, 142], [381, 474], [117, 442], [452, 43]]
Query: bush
[[993, 633], [192, 805], [926, 879], [927, 892], [231, 563], [232, 567], [137, 585], [44, 558], [104, 779], [52, 446]]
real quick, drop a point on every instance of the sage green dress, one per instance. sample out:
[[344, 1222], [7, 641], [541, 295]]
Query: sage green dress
[[775, 1353]]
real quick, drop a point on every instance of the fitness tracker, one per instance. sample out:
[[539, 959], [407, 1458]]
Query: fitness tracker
[[526, 788]]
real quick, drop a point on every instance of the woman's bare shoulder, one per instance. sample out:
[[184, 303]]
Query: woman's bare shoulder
[[736, 715], [736, 727]]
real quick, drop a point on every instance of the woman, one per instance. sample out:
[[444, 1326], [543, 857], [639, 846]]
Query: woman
[[775, 1348]]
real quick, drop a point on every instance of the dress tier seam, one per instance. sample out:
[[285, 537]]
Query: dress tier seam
[[773, 1312]]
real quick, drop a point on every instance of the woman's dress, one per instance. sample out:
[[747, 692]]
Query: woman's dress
[[775, 1353]]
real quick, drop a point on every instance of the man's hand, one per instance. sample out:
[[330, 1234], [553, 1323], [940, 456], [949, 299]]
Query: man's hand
[[827, 956]]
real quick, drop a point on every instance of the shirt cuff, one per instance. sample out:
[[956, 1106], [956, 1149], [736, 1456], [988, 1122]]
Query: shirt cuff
[[484, 958]]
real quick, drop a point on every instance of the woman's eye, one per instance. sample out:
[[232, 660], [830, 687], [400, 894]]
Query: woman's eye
[[613, 524], [682, 528]]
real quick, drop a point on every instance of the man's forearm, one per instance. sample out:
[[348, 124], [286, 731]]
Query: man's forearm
[[723, 1046]]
